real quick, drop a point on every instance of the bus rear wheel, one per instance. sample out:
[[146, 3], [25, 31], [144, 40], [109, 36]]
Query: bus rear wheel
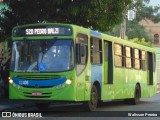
[[92, 104], [137, 96]]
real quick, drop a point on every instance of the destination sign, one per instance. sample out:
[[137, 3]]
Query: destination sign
[[42, 30]]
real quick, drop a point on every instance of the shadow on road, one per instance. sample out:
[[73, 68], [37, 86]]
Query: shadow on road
[[79, 106]]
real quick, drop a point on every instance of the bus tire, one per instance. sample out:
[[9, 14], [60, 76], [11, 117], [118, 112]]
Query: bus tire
[[92, 104], [42, 106], [137, 96]]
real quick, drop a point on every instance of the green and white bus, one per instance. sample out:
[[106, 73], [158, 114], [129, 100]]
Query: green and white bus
[[67, 63]]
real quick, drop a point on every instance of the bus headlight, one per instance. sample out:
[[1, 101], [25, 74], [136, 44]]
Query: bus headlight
[[68, 81], [65, 84], [11, 81]]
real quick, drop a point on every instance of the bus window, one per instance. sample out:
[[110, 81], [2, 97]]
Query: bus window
[[143, 60], [118, 58], [96, 51], [137, 60], [128, 57], [81, 52]]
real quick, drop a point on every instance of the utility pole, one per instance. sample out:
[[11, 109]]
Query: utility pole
[[123, 29], [127, 16]]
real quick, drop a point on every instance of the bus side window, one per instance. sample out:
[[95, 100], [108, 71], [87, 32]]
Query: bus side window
[[143, 60], [128, 57], [136, 59], [118, 57], [96, 51]]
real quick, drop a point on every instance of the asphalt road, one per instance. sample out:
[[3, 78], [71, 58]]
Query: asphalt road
[[147, 109]]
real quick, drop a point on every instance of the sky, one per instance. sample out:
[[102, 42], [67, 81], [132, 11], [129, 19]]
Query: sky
[[154, 2]]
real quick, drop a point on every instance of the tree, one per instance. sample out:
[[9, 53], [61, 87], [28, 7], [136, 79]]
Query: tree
[[143, 10], [141, 41], [134, 30], [100, 15]]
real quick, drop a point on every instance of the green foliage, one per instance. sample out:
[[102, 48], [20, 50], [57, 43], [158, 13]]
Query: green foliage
[[115, 31], [143, 10], [141, 41], [100, 15], [135, 30]]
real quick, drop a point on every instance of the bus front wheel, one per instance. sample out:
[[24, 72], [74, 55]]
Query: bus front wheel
[[92, 104]]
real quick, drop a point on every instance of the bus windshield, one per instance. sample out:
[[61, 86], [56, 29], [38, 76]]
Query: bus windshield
[[42, 56]]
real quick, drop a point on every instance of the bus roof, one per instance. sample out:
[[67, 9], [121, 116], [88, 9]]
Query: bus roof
[[95, 34]]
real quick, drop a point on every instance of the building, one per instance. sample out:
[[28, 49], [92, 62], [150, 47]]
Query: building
[[153, 30]]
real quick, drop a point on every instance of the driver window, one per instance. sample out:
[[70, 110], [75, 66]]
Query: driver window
[[81, 52]]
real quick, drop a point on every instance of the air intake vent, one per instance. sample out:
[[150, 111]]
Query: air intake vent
[[38, 77]]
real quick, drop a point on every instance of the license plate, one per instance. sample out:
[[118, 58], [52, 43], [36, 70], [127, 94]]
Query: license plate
[[36, 94]]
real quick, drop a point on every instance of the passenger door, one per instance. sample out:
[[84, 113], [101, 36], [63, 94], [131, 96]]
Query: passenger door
[[150, 68], [105, 62], [108, 63]]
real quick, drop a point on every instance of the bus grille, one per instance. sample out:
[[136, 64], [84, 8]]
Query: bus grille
[[38, 77], [37, 87]]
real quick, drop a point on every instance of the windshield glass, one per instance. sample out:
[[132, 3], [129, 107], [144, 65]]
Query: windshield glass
[[42, 56]]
